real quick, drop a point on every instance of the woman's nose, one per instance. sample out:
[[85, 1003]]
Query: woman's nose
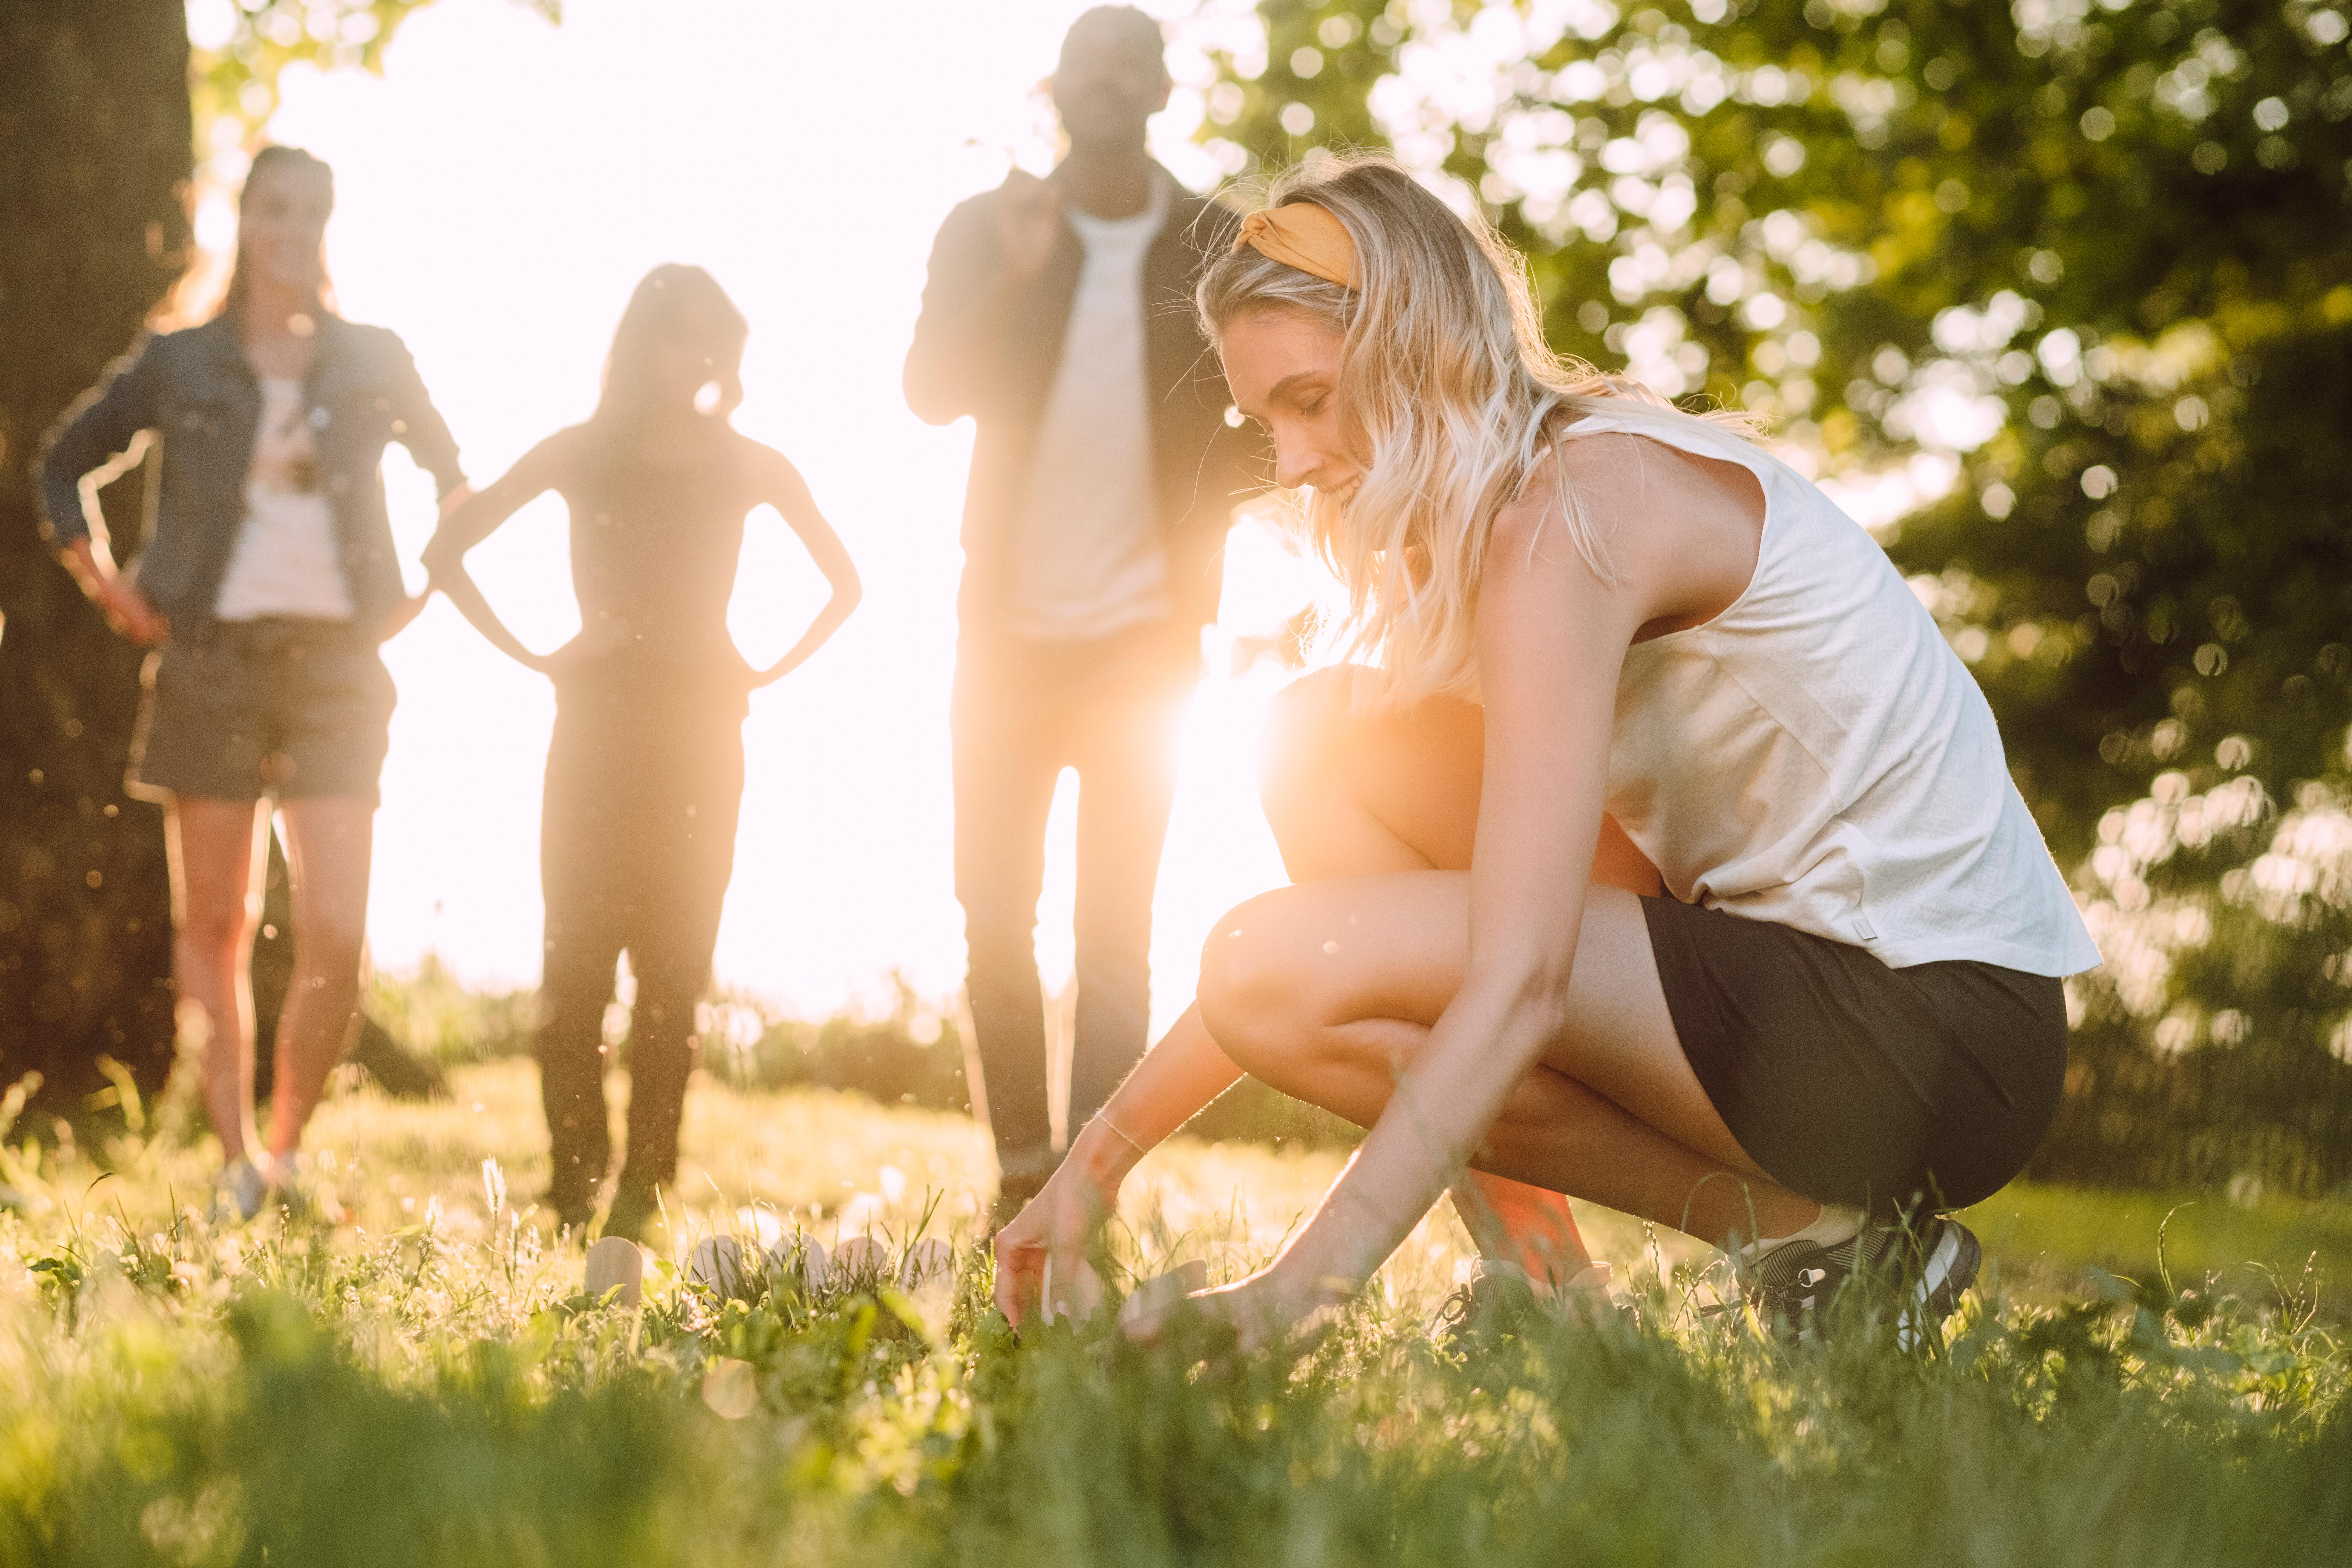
[[1296, 464]]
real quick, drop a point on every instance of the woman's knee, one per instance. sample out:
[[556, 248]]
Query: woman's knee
[[1261, 1000], [329, 948], [217, 929]]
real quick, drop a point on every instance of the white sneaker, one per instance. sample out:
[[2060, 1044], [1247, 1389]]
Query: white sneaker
[[239, 1191]]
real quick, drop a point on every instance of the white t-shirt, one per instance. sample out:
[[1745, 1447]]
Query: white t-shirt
[[1086, 557], [1817, 755], [285, 561]]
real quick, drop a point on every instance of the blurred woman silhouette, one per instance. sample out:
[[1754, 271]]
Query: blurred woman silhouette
[[265, 587], [644, 773]]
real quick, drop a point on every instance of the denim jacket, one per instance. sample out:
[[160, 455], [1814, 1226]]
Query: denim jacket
[[197, 390]]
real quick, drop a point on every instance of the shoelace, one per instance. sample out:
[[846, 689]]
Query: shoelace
[[1455, 1311]]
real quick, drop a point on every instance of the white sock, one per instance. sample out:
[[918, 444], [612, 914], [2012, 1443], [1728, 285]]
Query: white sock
[[1834, 1224]]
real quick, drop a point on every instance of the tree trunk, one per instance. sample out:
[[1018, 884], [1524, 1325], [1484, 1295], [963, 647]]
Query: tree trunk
[[96, 151]]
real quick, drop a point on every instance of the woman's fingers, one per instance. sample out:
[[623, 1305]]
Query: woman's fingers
[[128, 609], [1018, 1258], [402, 614], [1147, 1315], [1257, 1309], [1008, 1294], [1041, 1257], [1070, 1290]]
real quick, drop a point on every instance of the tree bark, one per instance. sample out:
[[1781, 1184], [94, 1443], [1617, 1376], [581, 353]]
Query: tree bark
[[96, 153]]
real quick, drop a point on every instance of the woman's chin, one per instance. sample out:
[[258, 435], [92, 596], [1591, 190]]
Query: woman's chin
[[294, 277]]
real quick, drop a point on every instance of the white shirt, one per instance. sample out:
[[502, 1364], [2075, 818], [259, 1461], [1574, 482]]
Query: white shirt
[[1087, 554], [285, 561], [1818, 756]]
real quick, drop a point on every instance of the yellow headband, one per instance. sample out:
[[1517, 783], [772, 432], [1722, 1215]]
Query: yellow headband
[[1304, 235]]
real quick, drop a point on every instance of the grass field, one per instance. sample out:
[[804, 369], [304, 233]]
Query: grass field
[[429, 1385]]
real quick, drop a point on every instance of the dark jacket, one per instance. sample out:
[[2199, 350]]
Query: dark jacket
[[196, 389], [993, 356]]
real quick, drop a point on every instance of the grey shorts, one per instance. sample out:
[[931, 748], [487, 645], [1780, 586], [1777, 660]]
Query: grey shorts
[[284, 707]]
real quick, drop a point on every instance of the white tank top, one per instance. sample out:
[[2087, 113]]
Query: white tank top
[[1816, 756]]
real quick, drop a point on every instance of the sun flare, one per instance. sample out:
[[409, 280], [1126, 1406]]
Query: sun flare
[[620, 146]]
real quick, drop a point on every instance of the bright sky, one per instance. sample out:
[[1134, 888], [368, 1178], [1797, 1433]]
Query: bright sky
[[500, 191]]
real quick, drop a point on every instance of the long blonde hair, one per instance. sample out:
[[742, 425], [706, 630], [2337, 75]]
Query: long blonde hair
[[1445, 373]]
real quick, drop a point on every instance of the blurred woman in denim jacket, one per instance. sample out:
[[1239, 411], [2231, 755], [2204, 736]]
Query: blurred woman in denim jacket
[[265, 587]]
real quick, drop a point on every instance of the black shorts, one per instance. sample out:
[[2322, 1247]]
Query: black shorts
[[286, 706], [1853, 1083]]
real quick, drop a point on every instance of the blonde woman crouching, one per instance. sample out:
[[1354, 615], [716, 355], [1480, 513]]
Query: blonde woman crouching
[[1660, 853]]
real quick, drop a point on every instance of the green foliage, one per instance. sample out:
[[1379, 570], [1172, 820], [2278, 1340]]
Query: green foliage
[[913, 1055], [198, 1396], [238, 81], [431, 1013], [2146, 1236], [2088, 270]]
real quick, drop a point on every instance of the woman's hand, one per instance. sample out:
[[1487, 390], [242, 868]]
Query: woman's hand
[[118, 597], [1177, 1077], [597, 639], [408, 610], [783, 488], [1276, 1304], [128, 611], [1042, 1256]]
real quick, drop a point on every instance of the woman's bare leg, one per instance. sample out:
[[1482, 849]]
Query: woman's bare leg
[[329, 841], [215, 855], [1349, 795], [1327, 990]]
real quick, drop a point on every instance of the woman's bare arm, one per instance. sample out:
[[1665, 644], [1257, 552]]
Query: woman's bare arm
[[1549, 649], [1168, 1087], [477, 517], [117, 597], [1551, 640], [783, 489]]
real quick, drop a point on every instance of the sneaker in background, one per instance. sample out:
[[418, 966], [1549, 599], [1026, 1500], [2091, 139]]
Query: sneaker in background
[[239, 1191]]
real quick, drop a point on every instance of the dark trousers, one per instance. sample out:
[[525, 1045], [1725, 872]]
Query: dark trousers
[[636, 845], [1023, 712]]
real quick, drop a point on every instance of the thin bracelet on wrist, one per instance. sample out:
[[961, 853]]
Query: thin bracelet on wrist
[[1124, 1136]]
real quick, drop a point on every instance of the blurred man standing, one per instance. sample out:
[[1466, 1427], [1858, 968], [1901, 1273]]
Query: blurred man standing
[[1058, 313]]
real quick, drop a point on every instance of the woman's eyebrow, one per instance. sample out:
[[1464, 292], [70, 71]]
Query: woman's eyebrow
[[1276, 393]]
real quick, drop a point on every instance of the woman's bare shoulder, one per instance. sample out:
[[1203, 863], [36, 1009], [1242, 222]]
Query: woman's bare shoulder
[[1645, 517], [1605, 472], [762, 463], [557, 459], [1610, 461]]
